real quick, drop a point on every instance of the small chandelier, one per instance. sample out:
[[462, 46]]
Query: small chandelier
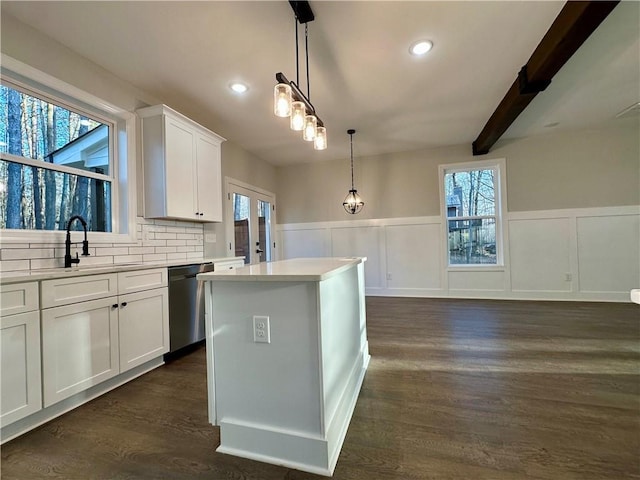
[[288, 99], [353, 202]]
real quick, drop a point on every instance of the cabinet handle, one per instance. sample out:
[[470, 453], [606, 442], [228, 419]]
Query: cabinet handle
[[197, 213], [201, 214], [123, 304], [115, 305]]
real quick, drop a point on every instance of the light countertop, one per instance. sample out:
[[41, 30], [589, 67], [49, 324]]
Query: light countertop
[[78, 270], [297, 269]]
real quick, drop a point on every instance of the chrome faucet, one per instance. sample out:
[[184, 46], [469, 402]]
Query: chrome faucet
[[68, 261]]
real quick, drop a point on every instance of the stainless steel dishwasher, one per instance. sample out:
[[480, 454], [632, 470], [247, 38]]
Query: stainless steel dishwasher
[[186, 305]]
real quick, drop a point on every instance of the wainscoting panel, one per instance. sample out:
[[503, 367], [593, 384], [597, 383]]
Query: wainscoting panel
[[306, 243], [609, 253], [413, 256], [361, 242], [540, 255], [582, 254], [468, 281]]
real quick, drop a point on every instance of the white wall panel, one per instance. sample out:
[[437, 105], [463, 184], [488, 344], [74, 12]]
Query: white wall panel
[[361, 242], [598, 248], [609, 253], [413, 256], [476, 281], [305, 243], [540, 254]]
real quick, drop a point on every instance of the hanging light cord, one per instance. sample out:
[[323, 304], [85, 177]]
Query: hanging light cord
[[295, 20], [306, 49], [351, 136]]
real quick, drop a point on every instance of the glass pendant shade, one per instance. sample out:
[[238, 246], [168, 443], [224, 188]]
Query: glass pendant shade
[[352, 202], [310, 126], [320, 142], [282, 100], [298, 113]]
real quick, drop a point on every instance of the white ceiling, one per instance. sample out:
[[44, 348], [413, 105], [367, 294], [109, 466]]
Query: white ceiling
[[362, 76]]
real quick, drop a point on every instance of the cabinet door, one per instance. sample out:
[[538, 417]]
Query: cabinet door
[[21, 393], [144, 327], [79, 347], [180, 165], [209, 179]]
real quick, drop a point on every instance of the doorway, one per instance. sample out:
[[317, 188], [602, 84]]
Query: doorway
[[251, 231]]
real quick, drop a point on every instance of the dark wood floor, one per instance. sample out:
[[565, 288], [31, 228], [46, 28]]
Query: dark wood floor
[[456, 389]]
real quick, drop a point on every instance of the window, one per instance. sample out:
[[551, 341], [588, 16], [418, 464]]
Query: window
[[55, 163], [63, 152], [471, 196]]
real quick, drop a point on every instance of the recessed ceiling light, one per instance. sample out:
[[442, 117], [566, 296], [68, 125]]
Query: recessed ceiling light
[[238, 87], [421, 47]]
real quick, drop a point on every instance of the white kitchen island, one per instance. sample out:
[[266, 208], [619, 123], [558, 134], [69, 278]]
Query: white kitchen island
[[287, 402]]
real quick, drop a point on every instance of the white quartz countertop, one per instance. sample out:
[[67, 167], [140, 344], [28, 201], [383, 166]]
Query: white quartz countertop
[[78, 270], [296, 269]]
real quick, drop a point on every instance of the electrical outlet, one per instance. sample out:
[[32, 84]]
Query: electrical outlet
[[568, 277], [389, 276], [261, 329]]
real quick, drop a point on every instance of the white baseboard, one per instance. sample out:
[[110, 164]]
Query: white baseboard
[[305, 451]]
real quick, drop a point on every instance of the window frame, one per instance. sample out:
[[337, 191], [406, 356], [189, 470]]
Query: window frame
[[122, 145], [500, 197]]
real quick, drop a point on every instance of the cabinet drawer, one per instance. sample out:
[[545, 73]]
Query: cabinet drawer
[[138, 280], [228, 265], [18, 298], [64, 291]]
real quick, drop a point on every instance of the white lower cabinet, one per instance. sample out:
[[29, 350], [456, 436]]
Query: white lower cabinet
[[144, 326], [20, 393], [79, 347]]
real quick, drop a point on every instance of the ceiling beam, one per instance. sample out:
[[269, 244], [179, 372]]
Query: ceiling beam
[[574, 24]]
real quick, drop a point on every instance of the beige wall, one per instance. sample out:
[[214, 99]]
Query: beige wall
[[588, 168], [241, 165]]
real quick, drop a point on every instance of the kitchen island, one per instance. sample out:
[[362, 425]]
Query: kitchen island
[[286, 356]]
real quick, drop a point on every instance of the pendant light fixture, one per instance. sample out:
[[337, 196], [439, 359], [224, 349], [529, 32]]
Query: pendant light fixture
[[353, 202], [289, 101]]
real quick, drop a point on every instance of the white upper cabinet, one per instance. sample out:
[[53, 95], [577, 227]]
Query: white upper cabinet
[[182, 167]]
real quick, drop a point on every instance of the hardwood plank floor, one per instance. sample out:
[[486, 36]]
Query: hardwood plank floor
[[456, 389]]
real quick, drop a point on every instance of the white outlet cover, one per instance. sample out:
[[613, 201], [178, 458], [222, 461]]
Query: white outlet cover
[[261, 329]]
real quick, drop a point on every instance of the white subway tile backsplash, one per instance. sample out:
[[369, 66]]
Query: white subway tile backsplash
[[40, 263], [186, 236], [157, 241], [166, 249], [100, 251], [127, 259], [141, 250], [154, 257], [21, 253], [176, 256], [165, 236], [12, 265]]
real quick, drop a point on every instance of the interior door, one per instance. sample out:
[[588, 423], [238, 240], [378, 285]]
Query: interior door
[[253, 216]]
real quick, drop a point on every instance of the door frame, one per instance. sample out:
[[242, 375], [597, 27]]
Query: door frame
[[255, 193]]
